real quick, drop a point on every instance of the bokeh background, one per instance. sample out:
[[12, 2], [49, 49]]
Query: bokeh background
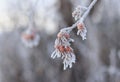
[[98, 57]]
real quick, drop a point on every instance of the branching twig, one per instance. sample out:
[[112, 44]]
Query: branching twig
[[84, 15], [62, 43]]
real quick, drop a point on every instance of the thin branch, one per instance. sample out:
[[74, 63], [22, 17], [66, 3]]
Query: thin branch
[[88, 10], [84, 15]]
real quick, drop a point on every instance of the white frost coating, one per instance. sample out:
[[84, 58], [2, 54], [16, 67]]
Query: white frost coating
[[82, 30], [68, 60], [63, 49], [77, 13], [82, 33], [83, 16]]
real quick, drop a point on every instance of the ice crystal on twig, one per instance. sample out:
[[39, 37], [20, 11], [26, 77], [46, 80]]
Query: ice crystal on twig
[[77, 13], [30, 37], [81, 30], [63, 49], [66, 53]]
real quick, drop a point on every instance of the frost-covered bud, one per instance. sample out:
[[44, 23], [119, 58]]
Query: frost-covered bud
[[66, 53], [63, 49], [78, 12], [30, 37], [81, 30], [68, 57], [63, 38]]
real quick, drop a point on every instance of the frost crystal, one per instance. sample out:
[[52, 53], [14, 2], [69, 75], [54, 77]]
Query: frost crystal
[[30, 37], [63, 49], [81, 30], [78, 12]]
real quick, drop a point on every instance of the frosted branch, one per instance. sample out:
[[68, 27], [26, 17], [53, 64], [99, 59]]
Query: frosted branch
[[84, 15], [62, 46]]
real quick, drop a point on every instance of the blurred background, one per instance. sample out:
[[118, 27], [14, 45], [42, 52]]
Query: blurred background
[[98, 57]]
